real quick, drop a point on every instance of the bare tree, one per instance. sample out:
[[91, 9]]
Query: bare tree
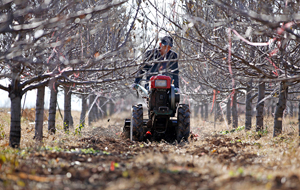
[[260, 107], [46, 35]]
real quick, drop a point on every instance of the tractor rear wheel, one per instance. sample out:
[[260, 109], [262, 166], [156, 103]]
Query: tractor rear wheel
[[137, 122], [183, 122]]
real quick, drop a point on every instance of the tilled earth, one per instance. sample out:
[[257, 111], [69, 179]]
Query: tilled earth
[[102, 159]]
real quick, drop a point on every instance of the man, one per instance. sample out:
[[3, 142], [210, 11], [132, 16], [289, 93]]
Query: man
[[166, 66]]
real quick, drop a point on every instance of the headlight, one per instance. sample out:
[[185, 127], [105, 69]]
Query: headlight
[[160, 83]]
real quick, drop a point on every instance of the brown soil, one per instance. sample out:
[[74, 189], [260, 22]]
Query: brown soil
[[99, 158]]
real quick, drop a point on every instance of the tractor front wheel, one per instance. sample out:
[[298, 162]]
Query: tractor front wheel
[[183, 122], [137, 123]]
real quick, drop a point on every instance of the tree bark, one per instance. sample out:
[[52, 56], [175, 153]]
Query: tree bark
[[272, 107], [71, 118], [260, 107], [67, 108], [196, 110], [299, 117], [281, 105], [98, 112], [268, 107], [202, 111], [206, 111], [39, 113], [248, 122], [219, 112], [234, 112], [83, 110], [215, 115], [103, 105], [228, 111], [91, 116], [111, 108], [15, 114], [291, 109], [52, 107]]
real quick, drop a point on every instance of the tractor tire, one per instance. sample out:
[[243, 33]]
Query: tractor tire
[[137, 123], [183, 123]]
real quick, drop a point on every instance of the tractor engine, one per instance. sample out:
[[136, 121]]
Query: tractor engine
[[162, 102]]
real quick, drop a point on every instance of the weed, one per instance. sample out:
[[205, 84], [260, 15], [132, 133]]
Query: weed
[[2, 133], [263, 132], [224, 132], [78, 130], [59, 127], [9, 159], [240, 128], [54, 149], [239, 171], [89, 151]]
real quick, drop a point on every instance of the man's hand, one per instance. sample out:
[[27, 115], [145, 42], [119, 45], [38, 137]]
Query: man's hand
[[134, 86]]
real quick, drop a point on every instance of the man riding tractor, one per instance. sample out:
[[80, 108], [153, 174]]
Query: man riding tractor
[[162, 93]]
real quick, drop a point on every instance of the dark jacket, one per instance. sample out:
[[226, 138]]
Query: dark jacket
[[169, 68]]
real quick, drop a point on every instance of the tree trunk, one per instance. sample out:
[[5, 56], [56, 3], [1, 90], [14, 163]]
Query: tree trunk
[[281, 105], [39, 113], [15, 114], [89, 113], [260, 107], [234, 112], [67, 108], [111, 108], [71, 119], [291, 109], [295, 111], [248, 122], [196, 110], [52, 107], [15, 91], [299, 117], [228, 111], [206, 111], [97, 110], [272, 108], [202, 111], [219, 112], [91, 116], [215, 116], [83, 110], [268, 107], [103, 105]]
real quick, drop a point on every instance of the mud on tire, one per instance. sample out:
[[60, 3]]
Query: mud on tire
[[183, 121], [137, 122]]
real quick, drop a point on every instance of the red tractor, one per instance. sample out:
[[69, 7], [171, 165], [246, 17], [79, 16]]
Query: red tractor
[[163, 104]]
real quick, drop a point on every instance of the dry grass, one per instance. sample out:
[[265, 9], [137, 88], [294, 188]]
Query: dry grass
[[237, 160], [110, 126]]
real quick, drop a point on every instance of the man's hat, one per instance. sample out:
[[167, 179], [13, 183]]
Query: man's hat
[[167, 40]]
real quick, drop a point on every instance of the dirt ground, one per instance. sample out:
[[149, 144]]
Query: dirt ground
[[97, 157]]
